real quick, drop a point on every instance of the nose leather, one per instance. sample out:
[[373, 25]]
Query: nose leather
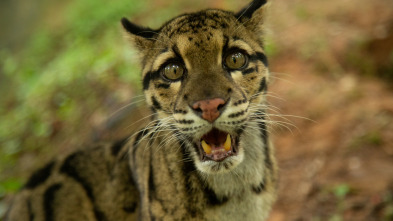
[[209, 109]]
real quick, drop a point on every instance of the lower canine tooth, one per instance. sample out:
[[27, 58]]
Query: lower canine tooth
[[227, 144], [206, 147]]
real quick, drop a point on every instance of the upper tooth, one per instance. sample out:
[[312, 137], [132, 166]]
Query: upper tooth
[[227, 144], [206, 147]]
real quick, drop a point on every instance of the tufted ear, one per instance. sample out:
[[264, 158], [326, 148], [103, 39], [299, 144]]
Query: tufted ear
[[141, 37], [253, 15]]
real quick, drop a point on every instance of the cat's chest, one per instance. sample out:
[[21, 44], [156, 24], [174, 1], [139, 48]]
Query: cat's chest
[[244, 207]]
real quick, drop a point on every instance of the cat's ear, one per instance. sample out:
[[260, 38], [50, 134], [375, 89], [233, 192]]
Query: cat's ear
[[253, 15], [141, 37]]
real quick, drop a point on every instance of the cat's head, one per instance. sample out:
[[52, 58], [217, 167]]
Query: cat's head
[[204, 75]]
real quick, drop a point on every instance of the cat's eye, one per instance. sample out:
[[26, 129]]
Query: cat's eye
[[173, 71], [235, 60]]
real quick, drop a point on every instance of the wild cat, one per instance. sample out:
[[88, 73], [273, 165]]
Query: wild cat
[[205, 155]]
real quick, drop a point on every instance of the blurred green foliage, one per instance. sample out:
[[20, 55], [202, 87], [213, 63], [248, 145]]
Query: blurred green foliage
[[58, 74], [341, 191]]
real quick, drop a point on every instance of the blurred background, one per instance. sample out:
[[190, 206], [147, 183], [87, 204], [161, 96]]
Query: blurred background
[[67, 77]]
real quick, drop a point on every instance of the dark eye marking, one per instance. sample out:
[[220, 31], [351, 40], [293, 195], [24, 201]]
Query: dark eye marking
[[165, 86], [258, 56], [149, 77], [248, 71], [153, 75]]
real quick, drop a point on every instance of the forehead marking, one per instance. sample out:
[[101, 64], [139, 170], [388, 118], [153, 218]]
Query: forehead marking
[[198, 22], [183, 43], [187, 47]]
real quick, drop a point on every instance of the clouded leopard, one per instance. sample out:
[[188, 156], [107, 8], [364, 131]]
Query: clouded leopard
[[205, 155]]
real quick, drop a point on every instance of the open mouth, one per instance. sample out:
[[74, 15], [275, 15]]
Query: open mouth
[[217, 145]]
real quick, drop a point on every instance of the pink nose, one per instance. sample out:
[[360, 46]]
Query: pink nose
[[209, 109]]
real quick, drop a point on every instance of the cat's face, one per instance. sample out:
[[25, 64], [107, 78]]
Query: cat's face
[[204, 75]]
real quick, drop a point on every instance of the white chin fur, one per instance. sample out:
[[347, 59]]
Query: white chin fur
[[212, 167]]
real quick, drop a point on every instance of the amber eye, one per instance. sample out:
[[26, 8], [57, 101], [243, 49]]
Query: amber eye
[[173, 71], [235, 60]]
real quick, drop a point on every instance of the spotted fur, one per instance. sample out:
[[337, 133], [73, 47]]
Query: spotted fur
[[159, 173]]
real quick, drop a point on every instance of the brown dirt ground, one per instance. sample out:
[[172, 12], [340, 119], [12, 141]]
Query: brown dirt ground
[[348, 142], [338, 165]]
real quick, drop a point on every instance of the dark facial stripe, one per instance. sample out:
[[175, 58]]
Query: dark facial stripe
[[40, 176], [49, 197], [165, 86], [263, 85], [149, 77], [248, 71], [178, 111], [189, 128], [240, 113], [240, 102], [231, 122], [185, 121], [258, 56], [156, 104]]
